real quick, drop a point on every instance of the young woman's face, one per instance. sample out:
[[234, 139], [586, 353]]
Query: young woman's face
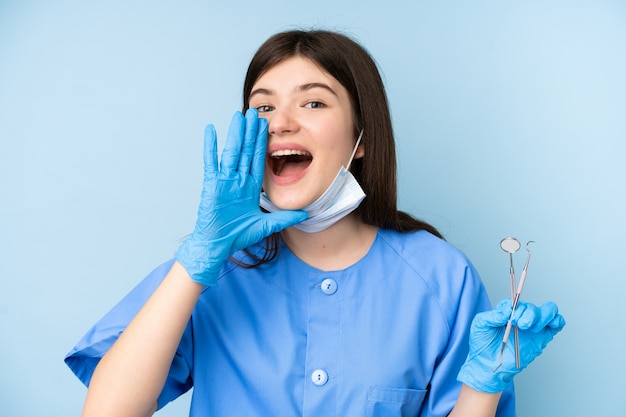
[[310, 130]]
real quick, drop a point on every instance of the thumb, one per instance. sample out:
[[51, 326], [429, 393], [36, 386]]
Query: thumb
[[284, 218], [497, 317]]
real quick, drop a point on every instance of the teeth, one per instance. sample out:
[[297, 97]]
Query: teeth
[[288, 152], [281, 157]]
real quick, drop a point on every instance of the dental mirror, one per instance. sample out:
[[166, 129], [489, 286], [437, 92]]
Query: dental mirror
[[510, 245]]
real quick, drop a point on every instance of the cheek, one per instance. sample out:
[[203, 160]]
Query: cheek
[[336, 145]]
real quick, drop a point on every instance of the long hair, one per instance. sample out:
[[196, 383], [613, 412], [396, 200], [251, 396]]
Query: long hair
[[350, 64]]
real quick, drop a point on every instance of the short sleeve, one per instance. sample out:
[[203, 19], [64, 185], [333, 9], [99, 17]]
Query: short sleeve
[[473, 299], [86, 354]]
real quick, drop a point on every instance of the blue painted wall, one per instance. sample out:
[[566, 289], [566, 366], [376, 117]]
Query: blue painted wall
[[509, 117]]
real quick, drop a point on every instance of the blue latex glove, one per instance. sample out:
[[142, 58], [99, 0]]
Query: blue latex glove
[[229, 217], [537, 326]]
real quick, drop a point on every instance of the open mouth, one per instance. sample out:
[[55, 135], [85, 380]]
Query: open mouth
[[289, 161]]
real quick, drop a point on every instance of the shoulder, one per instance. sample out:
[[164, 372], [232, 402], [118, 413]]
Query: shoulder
[[445, 271], [422, 250]]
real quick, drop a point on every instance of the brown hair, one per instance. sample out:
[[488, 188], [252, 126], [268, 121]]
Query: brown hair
[[350, 64]]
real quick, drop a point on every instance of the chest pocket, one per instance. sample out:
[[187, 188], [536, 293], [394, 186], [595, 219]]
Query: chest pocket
[[394, 402]]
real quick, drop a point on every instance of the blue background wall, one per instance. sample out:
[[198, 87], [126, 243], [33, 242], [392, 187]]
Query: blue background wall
[[509, 117]]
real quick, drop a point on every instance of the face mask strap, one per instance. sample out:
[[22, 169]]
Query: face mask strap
[[358, 141]]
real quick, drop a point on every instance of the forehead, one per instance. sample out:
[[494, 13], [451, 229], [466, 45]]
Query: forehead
[[293, 72]]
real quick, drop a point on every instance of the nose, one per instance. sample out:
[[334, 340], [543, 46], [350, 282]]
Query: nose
[[281, 121]]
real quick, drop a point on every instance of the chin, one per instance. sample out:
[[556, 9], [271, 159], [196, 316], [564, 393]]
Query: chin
[[286, 203], [289, 206]]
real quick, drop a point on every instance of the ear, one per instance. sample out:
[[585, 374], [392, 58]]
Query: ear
[[360, 151]]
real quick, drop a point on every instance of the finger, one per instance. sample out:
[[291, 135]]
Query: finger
[[232, 149], [249, 140], [505, 304], [526, 315], [535, 318], [258, 161], [282, 219], [210, 152], [557, 323], [496, 317], [547, 334]]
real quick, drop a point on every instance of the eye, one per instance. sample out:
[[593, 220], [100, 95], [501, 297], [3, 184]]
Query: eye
[[264, 108], [315, 105]]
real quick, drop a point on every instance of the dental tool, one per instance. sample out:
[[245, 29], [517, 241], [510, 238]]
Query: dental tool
[[515, 301], [512, 245]]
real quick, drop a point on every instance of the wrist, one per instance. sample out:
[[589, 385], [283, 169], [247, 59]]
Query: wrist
[[202, 261], [474, 403], [480, 376]]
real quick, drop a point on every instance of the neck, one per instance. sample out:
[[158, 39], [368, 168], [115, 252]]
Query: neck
[[338, 247]]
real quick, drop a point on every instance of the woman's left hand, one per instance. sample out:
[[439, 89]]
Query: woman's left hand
[[537, 327]]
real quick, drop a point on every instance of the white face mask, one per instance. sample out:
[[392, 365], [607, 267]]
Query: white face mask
[[341, 198]]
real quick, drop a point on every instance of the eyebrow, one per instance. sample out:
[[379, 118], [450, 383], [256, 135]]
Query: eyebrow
[[303, 87]]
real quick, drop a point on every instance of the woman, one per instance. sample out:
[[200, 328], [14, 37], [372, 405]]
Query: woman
[[328, 302]]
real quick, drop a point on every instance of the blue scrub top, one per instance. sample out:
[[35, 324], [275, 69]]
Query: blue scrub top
[[383, 337]]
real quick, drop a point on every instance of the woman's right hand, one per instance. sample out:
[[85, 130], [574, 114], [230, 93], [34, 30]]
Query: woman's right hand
[[229, 216]]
